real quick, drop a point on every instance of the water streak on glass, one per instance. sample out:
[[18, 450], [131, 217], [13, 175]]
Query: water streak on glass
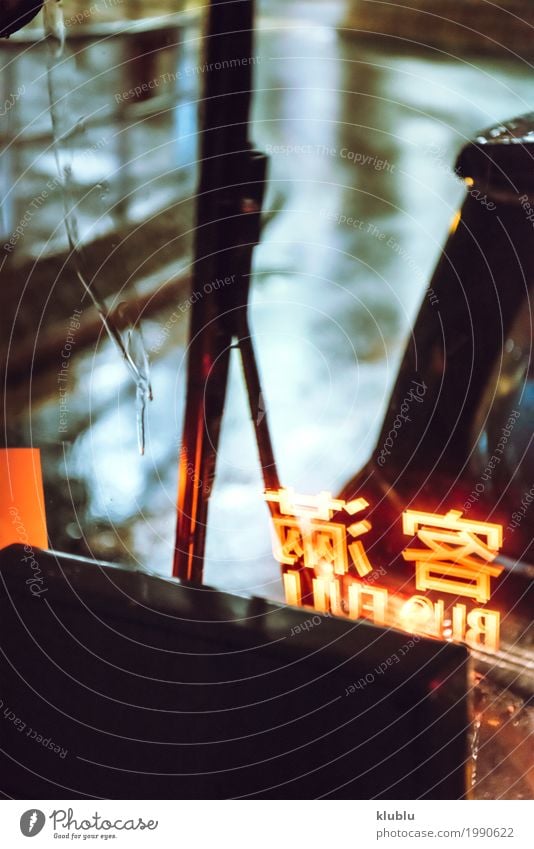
[[129, 342]]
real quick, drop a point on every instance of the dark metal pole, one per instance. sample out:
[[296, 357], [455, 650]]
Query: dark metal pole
[[228, 221]]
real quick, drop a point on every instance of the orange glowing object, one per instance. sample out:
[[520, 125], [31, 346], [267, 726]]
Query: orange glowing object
[[456, 559], [292, 588], [457, 217], [22, 511], [419, 615], [365, 599], [479, 628], [304, 532], [322, 506]]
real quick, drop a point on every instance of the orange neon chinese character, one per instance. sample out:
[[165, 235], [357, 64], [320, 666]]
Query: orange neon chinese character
[[457, 548], [305, 533]]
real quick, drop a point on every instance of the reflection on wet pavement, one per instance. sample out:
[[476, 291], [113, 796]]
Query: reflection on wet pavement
[[502, 745], [359, 202]]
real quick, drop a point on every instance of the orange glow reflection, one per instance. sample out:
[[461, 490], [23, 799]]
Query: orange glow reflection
[[455, 550], [456, 560]]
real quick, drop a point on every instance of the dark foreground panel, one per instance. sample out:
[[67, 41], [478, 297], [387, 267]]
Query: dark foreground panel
[[119, 684]]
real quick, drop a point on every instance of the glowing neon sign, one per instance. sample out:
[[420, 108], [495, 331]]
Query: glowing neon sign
[[325, 564]]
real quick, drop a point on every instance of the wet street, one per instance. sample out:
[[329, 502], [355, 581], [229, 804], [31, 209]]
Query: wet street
[[360, 199]]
